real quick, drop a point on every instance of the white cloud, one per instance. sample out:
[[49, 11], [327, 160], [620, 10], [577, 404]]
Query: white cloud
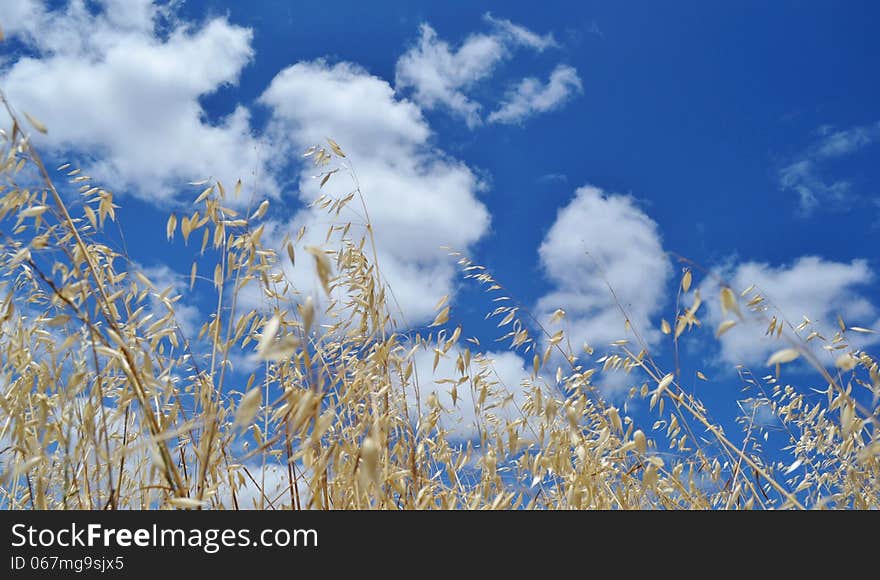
[[520, 34], [108, 84], [25, 18], [418, 198], [806, 175], [611, 230], [847, 141], [19, 17], [438, 75], [803, 178], [441, 76], [810, 286], [531, 96]]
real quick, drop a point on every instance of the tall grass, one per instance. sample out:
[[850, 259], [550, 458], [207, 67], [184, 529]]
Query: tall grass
[[107, 403]]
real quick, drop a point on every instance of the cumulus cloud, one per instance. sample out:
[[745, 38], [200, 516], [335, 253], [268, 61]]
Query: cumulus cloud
[[441, 76], [600, 239], [419, 199], [121, 82], [809, 286], [531, 96], [105, 80], [807, 175]]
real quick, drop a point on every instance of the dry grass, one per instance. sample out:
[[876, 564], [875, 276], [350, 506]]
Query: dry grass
[[106, 403]]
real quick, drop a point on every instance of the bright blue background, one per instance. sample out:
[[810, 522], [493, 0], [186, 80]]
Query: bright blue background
[[691, 107]]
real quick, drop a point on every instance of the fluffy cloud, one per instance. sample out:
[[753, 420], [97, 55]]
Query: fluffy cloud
[[441, 76], [532, 96], [810, 286], [806, 175], [418, 198], [122, 80], [602, 239]]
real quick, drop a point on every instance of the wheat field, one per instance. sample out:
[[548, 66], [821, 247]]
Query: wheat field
[[106, 402]]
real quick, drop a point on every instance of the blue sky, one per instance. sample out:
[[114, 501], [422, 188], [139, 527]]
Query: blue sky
[[744, 136]]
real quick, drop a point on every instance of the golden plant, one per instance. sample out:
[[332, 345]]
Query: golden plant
[[107, 403]]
